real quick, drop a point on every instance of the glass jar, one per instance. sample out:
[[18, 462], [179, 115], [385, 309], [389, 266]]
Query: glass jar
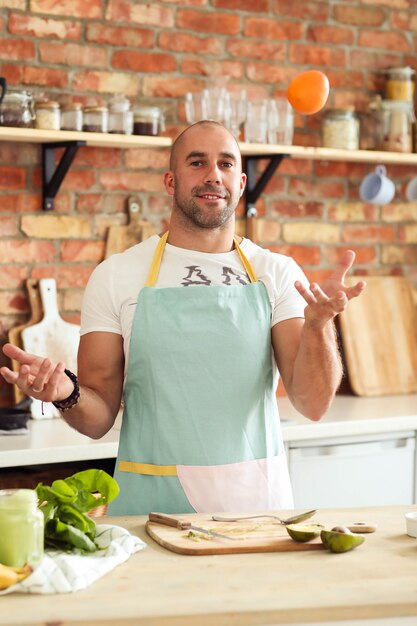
[[397, 120], [96, 120], [399, 84], [72, 117], [147, 120], [48, 115], [16, 109], [21, 528], [340, 129], [120, 116]]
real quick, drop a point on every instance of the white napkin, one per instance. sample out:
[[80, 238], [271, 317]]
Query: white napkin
[[63, 572]]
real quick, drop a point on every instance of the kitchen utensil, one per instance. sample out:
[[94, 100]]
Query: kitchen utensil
[[294, 519], [379, 335], [252, 537], [15, 334], [411, 523], [168, 520], [52, 337], [376, 187], [120, 238]]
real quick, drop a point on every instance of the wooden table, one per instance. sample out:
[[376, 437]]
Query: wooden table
[[156, 587]]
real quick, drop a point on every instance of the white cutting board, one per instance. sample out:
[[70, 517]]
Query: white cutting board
[[52, 337]]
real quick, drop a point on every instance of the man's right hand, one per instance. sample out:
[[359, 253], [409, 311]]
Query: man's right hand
[[37, 376]]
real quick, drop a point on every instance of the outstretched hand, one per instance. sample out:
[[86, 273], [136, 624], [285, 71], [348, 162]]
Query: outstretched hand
[[325, 302], [37, 376]]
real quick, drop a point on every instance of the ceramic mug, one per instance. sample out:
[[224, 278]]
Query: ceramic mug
[[411, 190], [376, 187]]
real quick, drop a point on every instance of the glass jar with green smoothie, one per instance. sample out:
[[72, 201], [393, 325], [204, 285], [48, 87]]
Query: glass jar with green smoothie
[[21, 528]]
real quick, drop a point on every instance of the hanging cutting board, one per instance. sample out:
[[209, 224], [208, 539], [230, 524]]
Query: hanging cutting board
[[52, 337], [253, 536], [120, 238], [15, 334], [379, 335]]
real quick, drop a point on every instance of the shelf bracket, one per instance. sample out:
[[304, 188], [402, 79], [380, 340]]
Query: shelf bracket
[[52, 176], [255, 187]]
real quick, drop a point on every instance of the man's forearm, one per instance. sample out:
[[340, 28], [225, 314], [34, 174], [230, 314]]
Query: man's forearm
[[91, 416], [317, 370]]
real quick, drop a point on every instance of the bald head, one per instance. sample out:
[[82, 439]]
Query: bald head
[[179, 141]]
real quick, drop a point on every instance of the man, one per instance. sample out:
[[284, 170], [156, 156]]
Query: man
[[191, 328]]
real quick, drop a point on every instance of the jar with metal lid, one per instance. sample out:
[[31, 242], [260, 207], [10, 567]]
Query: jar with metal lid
[[399, 84], [48, 115], [147, 120], [397, 120], [16, 109], [21, 528], [72, 117], [120, 116], [96, 120], [340, 129]]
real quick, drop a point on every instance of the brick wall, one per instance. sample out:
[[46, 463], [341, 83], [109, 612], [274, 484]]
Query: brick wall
[[162, 49]]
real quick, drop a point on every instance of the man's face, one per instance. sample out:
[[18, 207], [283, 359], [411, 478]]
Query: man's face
[[206, 180]]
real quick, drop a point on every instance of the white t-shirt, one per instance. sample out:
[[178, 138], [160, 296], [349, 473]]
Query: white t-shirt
[[111, 294]]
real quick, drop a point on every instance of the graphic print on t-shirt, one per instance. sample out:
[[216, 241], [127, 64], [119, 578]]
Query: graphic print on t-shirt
[[195, 276]]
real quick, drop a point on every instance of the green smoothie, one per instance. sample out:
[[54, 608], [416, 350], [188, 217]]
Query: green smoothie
[[21, 528]]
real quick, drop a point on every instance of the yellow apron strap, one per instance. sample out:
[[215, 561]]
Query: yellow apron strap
[[147, 468], [159, 251], [248, 267], [156, 261]]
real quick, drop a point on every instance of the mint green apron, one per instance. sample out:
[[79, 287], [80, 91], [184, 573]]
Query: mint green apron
[[200, 430]]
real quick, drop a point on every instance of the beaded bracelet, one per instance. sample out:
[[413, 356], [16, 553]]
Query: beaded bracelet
[[73, 398]]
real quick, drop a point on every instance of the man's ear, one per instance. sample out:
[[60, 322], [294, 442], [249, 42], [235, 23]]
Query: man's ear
[[242, 184], [169, 183]]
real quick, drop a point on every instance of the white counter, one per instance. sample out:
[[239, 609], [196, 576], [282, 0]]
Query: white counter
[[53, 441]]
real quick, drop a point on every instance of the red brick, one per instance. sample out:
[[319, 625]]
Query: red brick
[[359, 15], [8, 226], [290, 208], [143, 61], [208, 22], [306, 10], [307, 54], [258, 6], [79, 251], [12, 302], [404, 21], [72, 54], [19, 202], [341, 169], [144, 158], [80, 8], [160, 205], [120, 35], [12, 277], [303, 255], [16, 49], [256, 49], [12, 178], [374, 60], [175, 87], [130, 11], [384, 40], [24, 251], [267, 28], [106, 82], [47, 77], [393, 4], [19, 153], [270, 73], [79, 180], [131, 181], [43, 27], [98, 203], [184, 42], [66, 276], [330, 34], [316, 188], [98, 157], [365, 255], [208, 67], [368, 233], [14, 4]]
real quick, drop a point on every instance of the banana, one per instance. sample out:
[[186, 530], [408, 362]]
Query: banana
[[12, 575]]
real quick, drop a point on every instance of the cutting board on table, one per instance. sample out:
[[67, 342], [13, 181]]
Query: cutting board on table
[[52, 337], [15, 334], [120, 238], [379, 336], [253, 536]]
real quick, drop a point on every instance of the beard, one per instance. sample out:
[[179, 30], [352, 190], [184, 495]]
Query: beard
[[207, 217]]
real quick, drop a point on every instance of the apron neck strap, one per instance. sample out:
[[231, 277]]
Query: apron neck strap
[[159, 251]]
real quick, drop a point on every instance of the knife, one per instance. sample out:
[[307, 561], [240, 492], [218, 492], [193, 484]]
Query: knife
[[168, 520]]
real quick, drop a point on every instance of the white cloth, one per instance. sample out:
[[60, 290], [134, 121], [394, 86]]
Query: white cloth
[[64, 572], [112, 291]]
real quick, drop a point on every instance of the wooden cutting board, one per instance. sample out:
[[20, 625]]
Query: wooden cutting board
[[254, 536], [52, 337], [379, 335], [120, 238], [15, 334]]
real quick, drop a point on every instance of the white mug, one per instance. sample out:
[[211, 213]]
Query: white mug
[[411, 190], [376, 187]]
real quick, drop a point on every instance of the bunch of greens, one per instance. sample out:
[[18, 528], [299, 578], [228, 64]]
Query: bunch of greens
[[65, 505]]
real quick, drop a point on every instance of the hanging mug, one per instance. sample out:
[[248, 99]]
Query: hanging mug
[[376, 187], [3, 88]]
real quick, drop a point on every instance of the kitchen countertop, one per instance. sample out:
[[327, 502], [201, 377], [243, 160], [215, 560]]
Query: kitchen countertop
[[156, 587], [53, 441]]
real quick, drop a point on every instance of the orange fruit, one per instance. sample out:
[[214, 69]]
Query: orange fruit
[[308, 92]]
